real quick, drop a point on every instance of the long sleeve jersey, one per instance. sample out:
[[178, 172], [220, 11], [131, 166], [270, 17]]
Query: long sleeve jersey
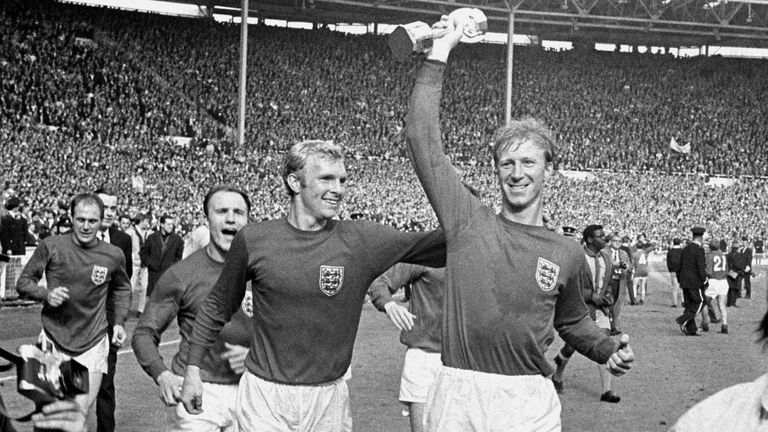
[[90, 274], [178, 294], [426, 303], [308, 292], [507, 284]]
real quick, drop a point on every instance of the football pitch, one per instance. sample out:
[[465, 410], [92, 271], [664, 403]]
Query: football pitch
[[672, 371]]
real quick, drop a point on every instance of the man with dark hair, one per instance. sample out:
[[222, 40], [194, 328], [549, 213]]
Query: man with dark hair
[[693, 278], [110, 233], [673, 267], [509, 280], [310, 273], [83, 274], [597, 295], [161, 250], [178, 296], [13, 229]]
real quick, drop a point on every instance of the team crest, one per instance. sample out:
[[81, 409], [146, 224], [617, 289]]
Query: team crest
[[546, 274], [99, 275], [331, 279]]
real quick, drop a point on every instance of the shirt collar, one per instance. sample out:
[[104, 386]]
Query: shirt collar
[[589, 252]]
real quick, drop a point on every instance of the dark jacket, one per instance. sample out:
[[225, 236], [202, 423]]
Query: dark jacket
[[673, 259], [157, 257], [13, 234], [693, 267], [124, 242]]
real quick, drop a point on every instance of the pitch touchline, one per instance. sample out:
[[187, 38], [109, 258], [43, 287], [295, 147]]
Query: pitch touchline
[[127, 350]]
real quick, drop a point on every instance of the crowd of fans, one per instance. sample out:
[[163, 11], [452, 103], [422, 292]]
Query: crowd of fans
[[89, 98]]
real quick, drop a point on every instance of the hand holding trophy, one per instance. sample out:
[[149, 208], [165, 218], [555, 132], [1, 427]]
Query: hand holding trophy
[[417, 36]]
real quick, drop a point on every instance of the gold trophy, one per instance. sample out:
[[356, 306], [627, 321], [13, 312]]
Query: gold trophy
[[417, 36]]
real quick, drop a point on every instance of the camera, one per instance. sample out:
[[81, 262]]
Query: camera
[[46, 376]]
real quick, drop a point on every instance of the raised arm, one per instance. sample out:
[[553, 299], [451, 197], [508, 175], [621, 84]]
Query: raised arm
[[446, 193]]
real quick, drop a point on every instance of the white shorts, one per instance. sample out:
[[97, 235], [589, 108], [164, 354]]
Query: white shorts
[[95, 358], [265, 406], [464, 400], [717, 287], [219, 415], [419, 372]]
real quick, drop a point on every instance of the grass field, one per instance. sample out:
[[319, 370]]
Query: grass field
[[672, 371]]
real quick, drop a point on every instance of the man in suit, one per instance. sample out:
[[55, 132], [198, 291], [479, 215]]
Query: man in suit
[[737, 268], [621, 265], [597, 295], [693, 279], [111, 233], [746, 251], [673, 266], [161, 250], [13, 229]]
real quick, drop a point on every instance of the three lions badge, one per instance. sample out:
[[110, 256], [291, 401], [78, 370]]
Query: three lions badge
[[99, 274], [546, 274], [331, 279]]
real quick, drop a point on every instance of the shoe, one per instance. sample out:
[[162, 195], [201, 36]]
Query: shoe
[[632, 303], [724, 329], [682, 328], [715, 321], [610, 397], [692, 334], [558, 385], [748, 297], [616, 332], [642, 301], [704, 329], [674, 306]]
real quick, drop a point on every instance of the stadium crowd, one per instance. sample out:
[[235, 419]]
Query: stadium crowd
[[91, 97]]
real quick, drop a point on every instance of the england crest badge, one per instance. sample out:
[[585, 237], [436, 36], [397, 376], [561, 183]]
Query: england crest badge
[[331, 279], [99, 275], [546, 274]]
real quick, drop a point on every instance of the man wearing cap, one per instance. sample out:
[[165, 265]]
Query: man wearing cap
[[693, 279], [13, 229]]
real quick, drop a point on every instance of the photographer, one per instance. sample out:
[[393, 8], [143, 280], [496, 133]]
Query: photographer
[[63, 416]]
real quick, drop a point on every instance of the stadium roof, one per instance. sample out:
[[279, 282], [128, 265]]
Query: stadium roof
[[672, 23]]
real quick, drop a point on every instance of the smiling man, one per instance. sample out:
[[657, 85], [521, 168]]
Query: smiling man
[[509, 280], [178, 295], [83, 276], [309, 273]]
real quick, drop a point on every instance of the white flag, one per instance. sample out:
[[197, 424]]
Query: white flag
[[685, 149]]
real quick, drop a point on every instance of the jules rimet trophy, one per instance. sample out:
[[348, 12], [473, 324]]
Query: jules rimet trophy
[[417, 36]]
